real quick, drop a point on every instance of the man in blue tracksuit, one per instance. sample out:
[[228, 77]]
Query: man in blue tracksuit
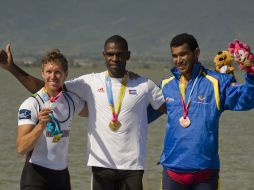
[[195, 98]]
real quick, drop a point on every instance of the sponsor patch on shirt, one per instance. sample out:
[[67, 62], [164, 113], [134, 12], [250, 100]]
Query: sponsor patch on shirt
[[133, 92], [66, 133], [24, 114], [101, 90]]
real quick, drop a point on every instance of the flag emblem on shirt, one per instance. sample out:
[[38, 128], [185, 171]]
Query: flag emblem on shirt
[[24, 114], [101, 90], [134, 92]]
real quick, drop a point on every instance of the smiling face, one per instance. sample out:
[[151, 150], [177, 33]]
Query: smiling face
[[54, 77], [184, 58], [116, 55]]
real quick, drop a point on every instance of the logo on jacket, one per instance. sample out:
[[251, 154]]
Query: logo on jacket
[[169, 99], [24, 114], [201, 98]]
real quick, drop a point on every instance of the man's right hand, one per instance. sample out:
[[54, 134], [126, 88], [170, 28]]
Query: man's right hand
[[6, 60], [31, 83], [44, 116]]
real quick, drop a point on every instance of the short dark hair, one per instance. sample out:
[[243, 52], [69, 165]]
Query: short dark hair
[[55, 56], [184, 38], [117, 39]]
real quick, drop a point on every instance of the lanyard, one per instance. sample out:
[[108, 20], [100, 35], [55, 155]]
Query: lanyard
[[52, 100], [115, 109], [186, 106]]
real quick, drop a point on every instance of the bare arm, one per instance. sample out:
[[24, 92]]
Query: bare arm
[[84, 112], [163, 108], [29, 134], [31, 83]]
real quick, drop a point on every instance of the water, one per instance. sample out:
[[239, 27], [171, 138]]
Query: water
[[236, 140]]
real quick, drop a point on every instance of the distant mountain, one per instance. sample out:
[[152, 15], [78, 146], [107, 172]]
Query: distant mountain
[[81, 26]]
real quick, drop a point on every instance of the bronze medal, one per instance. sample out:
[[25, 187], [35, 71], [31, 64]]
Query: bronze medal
[[114, 125], [185, 122]]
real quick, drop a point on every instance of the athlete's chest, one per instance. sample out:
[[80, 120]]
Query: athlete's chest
[[202, 94], [133, 94]]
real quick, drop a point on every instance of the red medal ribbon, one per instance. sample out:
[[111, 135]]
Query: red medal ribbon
[[185, 107], [54, 99]]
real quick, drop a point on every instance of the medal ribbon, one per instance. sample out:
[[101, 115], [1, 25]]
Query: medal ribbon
[[53, 126], [115, 110], [182, 94], [52, 99]]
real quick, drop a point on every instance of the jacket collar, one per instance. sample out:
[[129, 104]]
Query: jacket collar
[[197, 67]]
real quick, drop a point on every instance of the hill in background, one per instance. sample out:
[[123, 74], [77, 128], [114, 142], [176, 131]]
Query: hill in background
[[80, 27]]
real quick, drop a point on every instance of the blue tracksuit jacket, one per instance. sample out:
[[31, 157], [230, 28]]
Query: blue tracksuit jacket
[[196, 147]]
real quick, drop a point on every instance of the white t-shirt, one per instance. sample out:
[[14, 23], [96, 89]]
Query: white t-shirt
[[46, 153], [126, 147]]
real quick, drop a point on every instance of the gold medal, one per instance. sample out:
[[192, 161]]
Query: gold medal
[[185, 122], [114, 125], [56, 138]]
